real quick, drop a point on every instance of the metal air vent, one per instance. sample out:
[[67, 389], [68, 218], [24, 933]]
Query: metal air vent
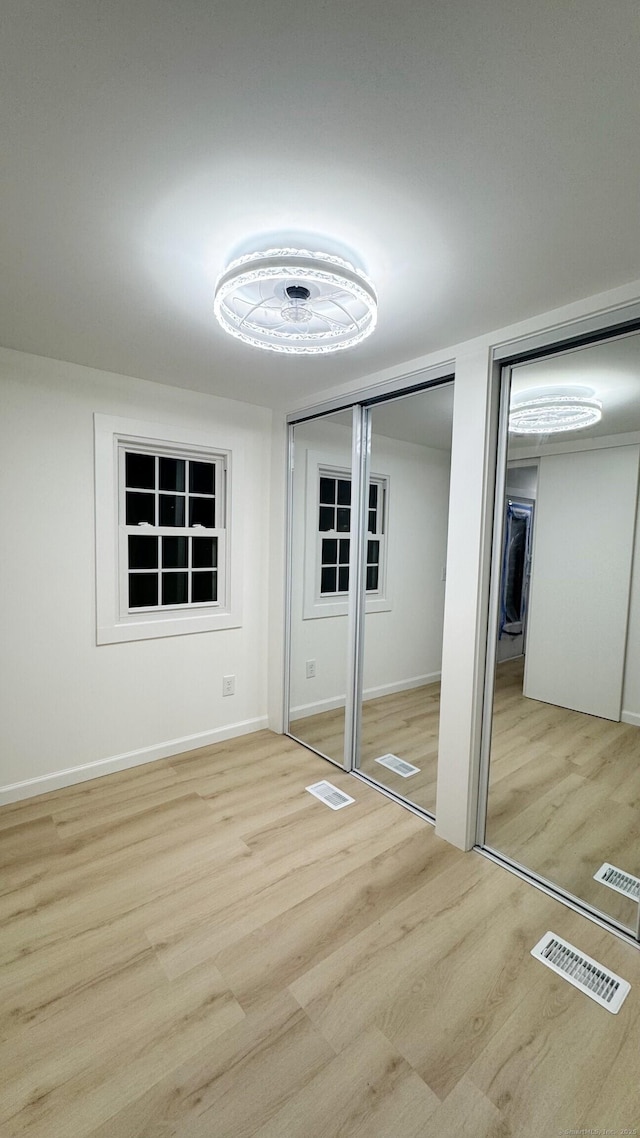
[[398, 766], [582, 971], [330, 795]]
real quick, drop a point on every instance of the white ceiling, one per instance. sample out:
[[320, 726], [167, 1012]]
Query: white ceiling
[[611, 372], [480, 160], [424, 418]]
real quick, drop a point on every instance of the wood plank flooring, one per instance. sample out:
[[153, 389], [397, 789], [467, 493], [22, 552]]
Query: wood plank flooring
[[198, 948], [564, 786], [564, 793], [404, 723]]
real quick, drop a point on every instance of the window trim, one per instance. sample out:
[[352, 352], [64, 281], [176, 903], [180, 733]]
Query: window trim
[[114, 623], [315, 605]]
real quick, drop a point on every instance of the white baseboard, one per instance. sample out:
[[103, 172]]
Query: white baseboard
[[402, 685], [16, 791], [631, 717], [304, 710]]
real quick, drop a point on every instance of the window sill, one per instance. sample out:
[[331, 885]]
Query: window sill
[[141, 628], [320, 609]]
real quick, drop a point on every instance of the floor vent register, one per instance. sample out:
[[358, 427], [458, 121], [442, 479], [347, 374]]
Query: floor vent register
[[330, 795], [398, 766], [582, 971], [619, 880]]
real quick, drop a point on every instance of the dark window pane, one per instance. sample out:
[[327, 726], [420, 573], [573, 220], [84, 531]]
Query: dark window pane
[[171, 510], [174, 588], [140, 508], [172, 473], [329, 551], [143, 590], [372, 521], [327, 518], [372, 576], [202, 477], [344, 551], [204, 552], [140, 470], [373, 496], [344, 520], [143, 552], [328, 581], [174, 552], [202, 512], [343, 580], [373, 552], [203, 587], [344, 492], [328, 490]]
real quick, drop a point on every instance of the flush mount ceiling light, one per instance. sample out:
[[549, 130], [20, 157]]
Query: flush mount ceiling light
[[535, 413], [295, 301]]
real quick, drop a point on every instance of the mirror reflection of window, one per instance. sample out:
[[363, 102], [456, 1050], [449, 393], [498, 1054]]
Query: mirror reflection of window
[[564, 789], [321, 559]]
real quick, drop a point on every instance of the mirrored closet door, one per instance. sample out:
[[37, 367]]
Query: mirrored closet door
[[321, 505], [564, 749], [368, 533], [405, 553]]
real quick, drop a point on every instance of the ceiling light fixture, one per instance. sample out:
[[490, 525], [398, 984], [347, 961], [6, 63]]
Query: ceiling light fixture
[[549, 414], [295, 301]]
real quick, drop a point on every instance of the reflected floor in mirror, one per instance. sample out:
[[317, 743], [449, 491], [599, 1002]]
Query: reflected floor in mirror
[[564, 793], [404, 724], [323, 732]]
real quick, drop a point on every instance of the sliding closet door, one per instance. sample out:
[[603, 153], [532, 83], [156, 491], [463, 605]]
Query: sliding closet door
[[404, 548], [320, 670], [564, 782]]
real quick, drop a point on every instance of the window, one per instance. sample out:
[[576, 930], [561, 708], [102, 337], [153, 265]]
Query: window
[[334, 522], [163, 550], [171, 530], [334, 526]]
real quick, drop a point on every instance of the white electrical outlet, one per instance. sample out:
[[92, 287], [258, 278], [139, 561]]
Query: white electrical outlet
[[311, 669], [228, 685]]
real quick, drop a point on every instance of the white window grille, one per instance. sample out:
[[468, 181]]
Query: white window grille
[[334, 524], [171, 529]]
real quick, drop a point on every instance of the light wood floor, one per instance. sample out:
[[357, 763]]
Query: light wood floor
[[564, 792], [198, 948], [564, 787], [404, 724]]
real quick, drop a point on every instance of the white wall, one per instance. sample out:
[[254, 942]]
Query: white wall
[[323, 639], [403, 643], [631, 686], [522, 481], [65, 703]]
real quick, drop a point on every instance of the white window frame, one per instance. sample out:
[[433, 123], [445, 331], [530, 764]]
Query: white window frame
[[115, 621], [218, 461], [315, 605]]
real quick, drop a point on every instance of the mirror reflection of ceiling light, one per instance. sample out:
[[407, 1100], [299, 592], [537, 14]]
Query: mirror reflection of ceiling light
[[295, 301], [536, 413]]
